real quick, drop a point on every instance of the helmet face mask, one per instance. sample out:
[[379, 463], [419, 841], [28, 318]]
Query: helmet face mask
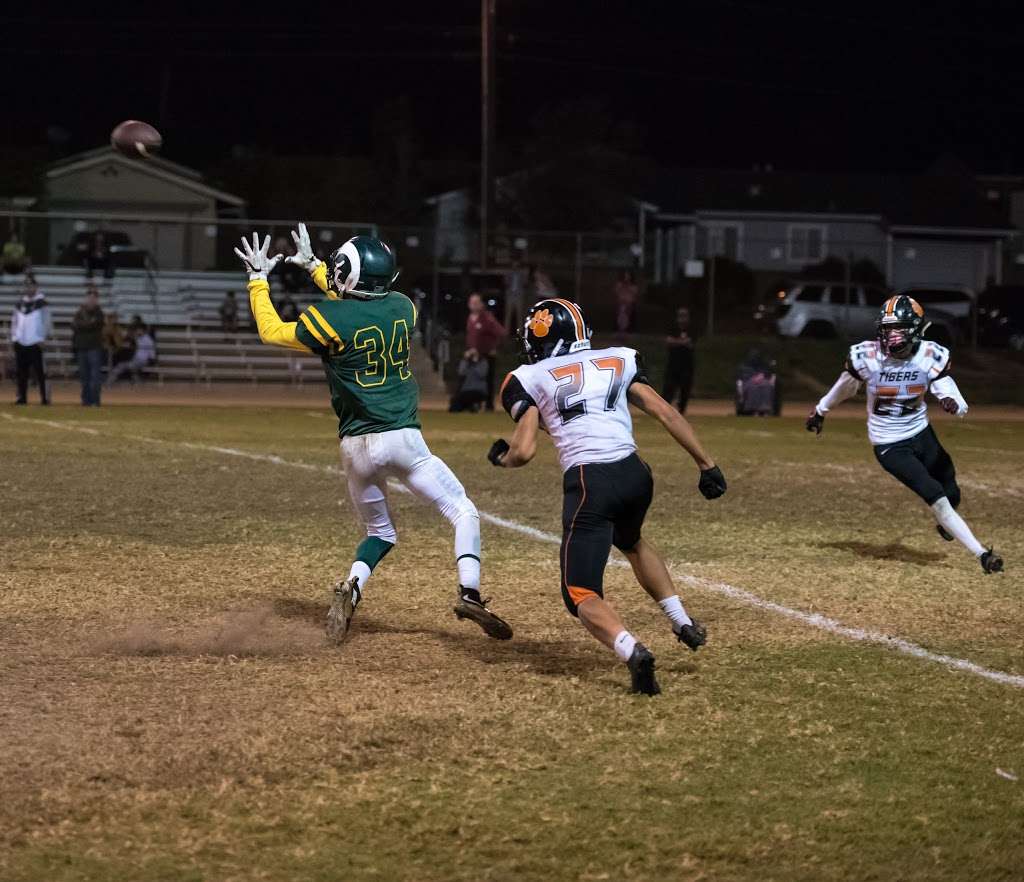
[[901, 326], [553, 327]]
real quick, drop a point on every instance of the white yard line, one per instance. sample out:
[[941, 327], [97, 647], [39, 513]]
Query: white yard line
[[813, 620]]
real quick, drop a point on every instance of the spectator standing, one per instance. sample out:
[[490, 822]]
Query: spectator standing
[[679, 364], [483, 334], [143, 356], [626, 295], [228, 311], [14, 258], [31, 326], [515, 290], [97, 257], [87, 342]]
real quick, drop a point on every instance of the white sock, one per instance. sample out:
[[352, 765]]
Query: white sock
[[673, 608], [947, 516], [624, 645], [467, 549], [362, 571]]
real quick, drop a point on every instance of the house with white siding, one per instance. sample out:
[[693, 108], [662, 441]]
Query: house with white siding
[[930, 229]]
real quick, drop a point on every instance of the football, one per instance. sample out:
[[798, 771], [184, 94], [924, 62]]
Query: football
[[136, 138]]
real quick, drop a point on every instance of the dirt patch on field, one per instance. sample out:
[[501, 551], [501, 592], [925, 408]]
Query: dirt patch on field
[[254, 633]]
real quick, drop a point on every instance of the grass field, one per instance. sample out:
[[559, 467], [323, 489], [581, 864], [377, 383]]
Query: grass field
[[170, 710]]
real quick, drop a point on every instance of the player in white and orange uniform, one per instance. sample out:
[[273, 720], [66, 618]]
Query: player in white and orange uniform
[[897, 369], [581, 396]]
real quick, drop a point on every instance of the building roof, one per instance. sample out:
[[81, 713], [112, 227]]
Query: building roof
[[935, 200], [158, 167]]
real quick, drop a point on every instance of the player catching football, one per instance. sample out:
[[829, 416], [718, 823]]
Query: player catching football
[[897, 369], [581, 397], [361, 333]]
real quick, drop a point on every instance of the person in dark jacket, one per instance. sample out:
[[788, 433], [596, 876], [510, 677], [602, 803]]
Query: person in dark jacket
[[87, 343], [680, 362]]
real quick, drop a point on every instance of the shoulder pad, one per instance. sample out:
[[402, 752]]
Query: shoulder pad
[[862, 358], [935, 359]]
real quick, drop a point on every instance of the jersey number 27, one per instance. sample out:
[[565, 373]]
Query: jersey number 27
[[571, 377]]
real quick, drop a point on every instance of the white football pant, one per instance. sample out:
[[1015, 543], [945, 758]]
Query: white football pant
[[369, 460]]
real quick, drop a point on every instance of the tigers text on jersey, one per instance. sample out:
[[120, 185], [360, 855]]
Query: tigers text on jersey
[[896, 387], [364, 346], [582, 402]]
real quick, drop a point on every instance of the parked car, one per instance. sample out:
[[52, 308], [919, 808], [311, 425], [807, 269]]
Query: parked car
[[955, 301], [828, 309], [1001, 316]]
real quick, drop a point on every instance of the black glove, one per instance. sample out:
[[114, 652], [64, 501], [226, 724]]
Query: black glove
[[498, 449], [712, 482], [815, 422]]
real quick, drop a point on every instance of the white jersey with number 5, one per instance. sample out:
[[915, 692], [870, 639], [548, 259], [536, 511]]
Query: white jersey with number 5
[[896, 387], [582, 402]]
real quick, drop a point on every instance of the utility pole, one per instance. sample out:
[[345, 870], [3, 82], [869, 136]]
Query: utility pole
[[486, 120]]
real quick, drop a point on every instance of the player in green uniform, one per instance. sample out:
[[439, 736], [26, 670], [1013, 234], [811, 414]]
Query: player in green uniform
[[361, 331]]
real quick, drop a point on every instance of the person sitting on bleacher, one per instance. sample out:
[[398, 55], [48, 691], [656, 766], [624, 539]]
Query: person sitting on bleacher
[[143, 356], [119, 347]]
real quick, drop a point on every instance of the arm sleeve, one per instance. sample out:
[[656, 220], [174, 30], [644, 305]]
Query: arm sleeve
[[319, 276], [946, 387], [271, 329], [845, 387], [515, 399], [640, 376]]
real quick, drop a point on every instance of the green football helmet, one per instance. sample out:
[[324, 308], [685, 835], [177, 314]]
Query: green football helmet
[[363, 267]]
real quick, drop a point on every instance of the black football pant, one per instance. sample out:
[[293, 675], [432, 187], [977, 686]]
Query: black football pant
[[28, 360], [605, 504], [922, 464]]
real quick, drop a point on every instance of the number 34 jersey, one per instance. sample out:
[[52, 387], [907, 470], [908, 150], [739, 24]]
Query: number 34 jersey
[[582, 402], [364, 346], [896, 387]]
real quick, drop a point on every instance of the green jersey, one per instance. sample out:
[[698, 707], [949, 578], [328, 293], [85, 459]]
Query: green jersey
[[364, 345]]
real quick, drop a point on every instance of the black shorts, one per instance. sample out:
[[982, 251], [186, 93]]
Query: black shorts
[[605, 504], [923, 465]]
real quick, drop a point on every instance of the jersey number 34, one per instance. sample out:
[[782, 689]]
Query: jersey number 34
[[379, 353], [571, 377]]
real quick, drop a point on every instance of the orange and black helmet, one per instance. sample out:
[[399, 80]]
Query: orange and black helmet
[[553, 326], [901, 326]]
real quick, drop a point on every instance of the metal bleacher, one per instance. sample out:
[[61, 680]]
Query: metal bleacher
[[182, 309]]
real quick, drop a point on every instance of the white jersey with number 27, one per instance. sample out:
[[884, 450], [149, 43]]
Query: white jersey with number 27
[[582, 402]]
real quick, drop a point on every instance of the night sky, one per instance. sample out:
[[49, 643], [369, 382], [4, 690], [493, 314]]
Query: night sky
[[817, 86]]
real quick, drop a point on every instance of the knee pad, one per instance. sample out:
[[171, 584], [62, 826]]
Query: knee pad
[[459, 508]]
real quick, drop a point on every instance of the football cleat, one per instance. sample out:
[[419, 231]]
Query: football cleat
[[343, 605], [641, 671], [991, 562], [694, 635], [944, 533], [472, 606]]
